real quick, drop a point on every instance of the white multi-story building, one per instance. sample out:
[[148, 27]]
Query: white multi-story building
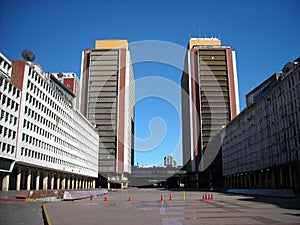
[[261, 147], [45, 143], [71, 82]]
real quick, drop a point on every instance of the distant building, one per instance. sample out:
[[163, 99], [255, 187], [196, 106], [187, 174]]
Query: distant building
[[261, 148], [169, 161], [107, 100], [44, 142], [70, 81], [209, 101]]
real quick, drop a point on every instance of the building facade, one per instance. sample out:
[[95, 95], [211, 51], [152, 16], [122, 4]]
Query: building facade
[[107, 100], [169, 161], [261, 148], [44, 142], [70, 80], [209, 101]]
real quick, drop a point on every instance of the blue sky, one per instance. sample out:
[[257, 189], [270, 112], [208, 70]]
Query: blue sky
[[265, 35]]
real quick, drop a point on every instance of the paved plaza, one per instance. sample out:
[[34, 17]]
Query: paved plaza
[[146, 208]]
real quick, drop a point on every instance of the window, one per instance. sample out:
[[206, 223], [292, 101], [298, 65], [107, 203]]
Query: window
[[9, 88], [1, 114], [12, 105], [5, 84], [3, 147], [5, 131], [3, 99]]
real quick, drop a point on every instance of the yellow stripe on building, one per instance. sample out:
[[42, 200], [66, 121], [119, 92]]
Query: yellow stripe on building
[[111, 44]]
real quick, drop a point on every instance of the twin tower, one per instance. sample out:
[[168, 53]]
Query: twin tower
[[209, 101]]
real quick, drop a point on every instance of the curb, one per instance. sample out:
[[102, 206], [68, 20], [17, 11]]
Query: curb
[[46, 216], [12, 200]]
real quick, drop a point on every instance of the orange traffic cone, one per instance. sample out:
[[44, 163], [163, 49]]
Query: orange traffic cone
[[105, 198], [203, 196], [91, 197], [130, 198], [171, 196], [162, 198], [211, 197]]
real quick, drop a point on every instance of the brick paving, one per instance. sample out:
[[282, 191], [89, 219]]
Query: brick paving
[[146, 208]]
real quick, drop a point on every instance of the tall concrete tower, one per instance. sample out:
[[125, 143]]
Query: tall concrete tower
[[107, 100], [209, 101]]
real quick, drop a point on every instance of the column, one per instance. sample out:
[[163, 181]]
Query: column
[[108, 185], [73, 182], [76, 182], [273, 179], [58, 182], [80, 182], [260, 179], [84, 183], [250, 180], [28, 180], [5, 183], [254, 180], [63, 183], [233, 182], [45, 181], [68, 182], [267, 179], [94, 184], [37, 181], [52, 181], [19, 176], [290, 177], [280, 177]]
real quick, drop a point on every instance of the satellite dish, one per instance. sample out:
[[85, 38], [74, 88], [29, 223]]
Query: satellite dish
[[28, 55]]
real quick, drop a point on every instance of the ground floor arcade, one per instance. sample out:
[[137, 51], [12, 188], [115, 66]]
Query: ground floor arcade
[[287, 176], [30, 178]]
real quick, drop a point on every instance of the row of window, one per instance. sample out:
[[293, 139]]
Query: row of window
[[7, 133], [55, 127], [9, 87], [8, 102], [25, 152], [36, 129], [40, 82], [8, 118], [7, 148], [37, 92], [43, 145]]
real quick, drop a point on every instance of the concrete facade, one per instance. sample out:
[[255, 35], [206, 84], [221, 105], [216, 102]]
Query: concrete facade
[[70, 80], [261, 147], [209, 102], [44, 142], [107, 100]]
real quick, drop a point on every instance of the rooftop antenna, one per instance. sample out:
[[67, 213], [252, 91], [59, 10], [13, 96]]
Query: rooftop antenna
[[28, 55], [219, 35]]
